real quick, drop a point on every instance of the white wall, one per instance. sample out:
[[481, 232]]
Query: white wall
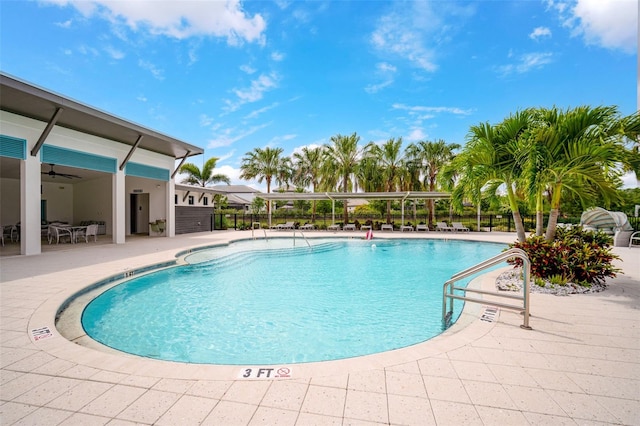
[[157, 197], [92, 201], [59, 198], [10, 205]]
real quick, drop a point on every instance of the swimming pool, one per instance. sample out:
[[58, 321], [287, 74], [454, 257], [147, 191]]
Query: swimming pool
[[268, 302]]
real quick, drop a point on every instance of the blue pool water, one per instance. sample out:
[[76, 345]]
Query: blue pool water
[[267, 302]]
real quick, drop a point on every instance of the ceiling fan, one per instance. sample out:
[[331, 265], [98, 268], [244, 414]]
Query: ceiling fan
[[53, 173]]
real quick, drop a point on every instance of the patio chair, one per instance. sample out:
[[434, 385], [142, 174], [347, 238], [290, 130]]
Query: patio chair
[[406, 228], [386, 227], [349, 227], [334, 227], [458, 226], [308, 227], [288, 225], [57, 233], [442, 226], [422, 227], [91, 230]]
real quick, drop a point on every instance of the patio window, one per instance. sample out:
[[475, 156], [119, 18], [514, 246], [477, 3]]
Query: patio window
[[191, 200], [205, 201]]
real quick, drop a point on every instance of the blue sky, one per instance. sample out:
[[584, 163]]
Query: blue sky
[[231, 76]]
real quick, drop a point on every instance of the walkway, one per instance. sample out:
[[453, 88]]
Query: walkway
[[579, 365]]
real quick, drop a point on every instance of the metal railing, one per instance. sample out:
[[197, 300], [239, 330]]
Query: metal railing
[[449, 288], [302, 234]]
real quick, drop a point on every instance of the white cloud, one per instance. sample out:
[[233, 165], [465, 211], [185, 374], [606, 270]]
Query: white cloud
[[114, 53], [65, 24], [609, 24], [257, 112], [155, 71], [385, 72], [440, 109], [539, 32], [526, 62], [253, 93], [142, 98], [205, 120], [229, 136], [414, 33], [178, 19], [277, 56], [247, 69], [416, 134]]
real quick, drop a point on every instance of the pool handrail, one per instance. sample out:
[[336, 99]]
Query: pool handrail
[[448, 287]]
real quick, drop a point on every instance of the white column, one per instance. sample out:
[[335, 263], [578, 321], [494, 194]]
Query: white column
[[30, 196], [118, 202], [170, 190]]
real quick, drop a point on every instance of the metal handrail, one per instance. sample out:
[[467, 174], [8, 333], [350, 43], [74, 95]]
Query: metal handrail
[[263, 230], [305, 238], [448, 287]]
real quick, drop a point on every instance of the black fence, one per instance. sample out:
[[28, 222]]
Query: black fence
[[488, 222]]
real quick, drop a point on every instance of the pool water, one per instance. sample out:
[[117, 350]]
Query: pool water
[[268, 302]]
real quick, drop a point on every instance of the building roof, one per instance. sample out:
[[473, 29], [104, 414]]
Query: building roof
[[236, 189], [27, 100]]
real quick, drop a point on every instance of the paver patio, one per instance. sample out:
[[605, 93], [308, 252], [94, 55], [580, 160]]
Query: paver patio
[[579, 365]]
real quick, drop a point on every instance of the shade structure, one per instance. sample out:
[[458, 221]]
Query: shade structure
[[600, 218], [333, 196]]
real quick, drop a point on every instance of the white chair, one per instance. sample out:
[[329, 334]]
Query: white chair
[[334, 227], [58, 233], [422, 227], [308, 227], [349, 227], [442, 226], [386, 227], [458, 226], [91, 230], [406, 228]]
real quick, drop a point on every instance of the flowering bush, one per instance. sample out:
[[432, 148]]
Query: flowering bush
[[578, 256]]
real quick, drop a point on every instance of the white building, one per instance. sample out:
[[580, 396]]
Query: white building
[[65, 161]]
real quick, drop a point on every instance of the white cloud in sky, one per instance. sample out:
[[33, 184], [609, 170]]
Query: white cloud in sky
[[609, 24], [416, 134], [432, 109], [65, 24], [526, 62], [229, 136], [155, 71], [384, 72], [114, 53], [257, 112], [277, 56], [178, 19], [247, 69], [253, 93], [539, 32]]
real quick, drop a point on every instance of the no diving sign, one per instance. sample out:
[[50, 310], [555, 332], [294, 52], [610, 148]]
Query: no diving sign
[[265, 373], [41, 333]]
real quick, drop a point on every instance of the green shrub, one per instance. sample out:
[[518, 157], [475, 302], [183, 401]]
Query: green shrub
[[577, 256]]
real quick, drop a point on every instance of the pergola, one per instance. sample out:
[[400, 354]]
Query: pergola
[[333, 196]]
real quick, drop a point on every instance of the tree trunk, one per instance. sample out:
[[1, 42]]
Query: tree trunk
[[539, 214], [552, 225], [517, 219]]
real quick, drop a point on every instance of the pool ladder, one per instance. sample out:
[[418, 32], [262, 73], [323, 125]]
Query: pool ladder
[[302, 234], [254, 237], [448, 288]]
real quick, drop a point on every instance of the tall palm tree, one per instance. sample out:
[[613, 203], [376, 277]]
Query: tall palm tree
[[577, 150], [203, 177], [432, 158], [342, 157], [265, 165], [493, 154], [390, 159], [307, 171]]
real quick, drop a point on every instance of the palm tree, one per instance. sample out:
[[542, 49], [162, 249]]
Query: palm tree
[[342, 157], [203, 177], [574, 151], [265, 165], [390, 160], [307, 171], [493, 157], [432, 157]]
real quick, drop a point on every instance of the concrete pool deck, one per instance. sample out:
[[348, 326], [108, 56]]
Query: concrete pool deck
[[579, 365]]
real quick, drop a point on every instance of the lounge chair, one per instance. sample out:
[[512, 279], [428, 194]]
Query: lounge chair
[[287, 225], [386, 227], [406, 228], [458, 226], [349, 227], [307, 227], [422, 227], [334, 227], [442, 226]]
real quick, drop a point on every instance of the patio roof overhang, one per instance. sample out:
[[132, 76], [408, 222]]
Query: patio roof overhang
[[30, 101]]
